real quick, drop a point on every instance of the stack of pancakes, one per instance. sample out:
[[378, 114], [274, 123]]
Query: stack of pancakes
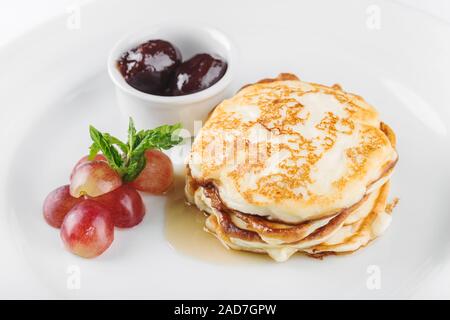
[[287, 166]]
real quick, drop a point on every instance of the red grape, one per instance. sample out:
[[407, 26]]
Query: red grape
[[88, 229], [94, 178], [57, 204], [98, 157], [125, 204], [157, 176]]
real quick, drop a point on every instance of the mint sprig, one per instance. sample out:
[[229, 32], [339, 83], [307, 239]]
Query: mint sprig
[[128, 159]]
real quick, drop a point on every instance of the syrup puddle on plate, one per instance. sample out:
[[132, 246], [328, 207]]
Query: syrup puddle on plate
[[184, 230]]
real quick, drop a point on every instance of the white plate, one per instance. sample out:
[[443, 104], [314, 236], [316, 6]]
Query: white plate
[[54, 84]]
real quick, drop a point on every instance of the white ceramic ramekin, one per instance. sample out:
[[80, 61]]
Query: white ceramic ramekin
[[149, 110]]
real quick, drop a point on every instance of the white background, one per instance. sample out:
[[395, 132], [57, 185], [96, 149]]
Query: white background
[[19, 16]]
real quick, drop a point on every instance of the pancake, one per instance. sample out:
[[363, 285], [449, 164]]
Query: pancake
[[278, 232], [335, 237], [292, 151], [353, 236], [287, 166]]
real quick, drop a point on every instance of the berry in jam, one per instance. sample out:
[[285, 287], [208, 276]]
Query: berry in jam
[[150, 66], [198, 73]]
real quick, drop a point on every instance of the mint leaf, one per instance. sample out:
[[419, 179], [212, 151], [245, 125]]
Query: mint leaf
[[108, 150], [134, 168], [93, 150], [128, 159], [163, 137], [115, 141], [131, 134]]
